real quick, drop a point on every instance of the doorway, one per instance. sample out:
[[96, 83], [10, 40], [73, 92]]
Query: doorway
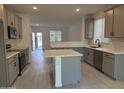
[[37, 40]]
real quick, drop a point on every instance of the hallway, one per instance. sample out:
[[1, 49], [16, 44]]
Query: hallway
[[37, 76]]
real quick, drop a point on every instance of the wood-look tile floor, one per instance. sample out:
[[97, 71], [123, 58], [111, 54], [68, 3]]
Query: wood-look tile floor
[[36, 76]]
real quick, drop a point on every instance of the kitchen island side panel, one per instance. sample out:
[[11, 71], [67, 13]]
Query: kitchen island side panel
[[119, 67], [70, 67]]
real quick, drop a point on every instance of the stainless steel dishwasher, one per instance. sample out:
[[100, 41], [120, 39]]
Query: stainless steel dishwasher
[[98, 59]]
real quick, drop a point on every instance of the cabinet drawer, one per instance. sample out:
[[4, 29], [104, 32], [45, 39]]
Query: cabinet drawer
[[108, 55], [107, 59]]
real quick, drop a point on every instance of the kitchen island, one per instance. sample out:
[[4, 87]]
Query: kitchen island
[[66, 64]]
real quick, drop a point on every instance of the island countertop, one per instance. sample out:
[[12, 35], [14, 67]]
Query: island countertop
[[61, 53]]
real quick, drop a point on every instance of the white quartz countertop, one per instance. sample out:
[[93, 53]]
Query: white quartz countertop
[[61, 53], [66, 44], [109, 50], [80, 44], [10, 54]]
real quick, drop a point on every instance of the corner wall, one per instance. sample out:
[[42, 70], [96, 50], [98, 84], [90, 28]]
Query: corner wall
[[75, 31]]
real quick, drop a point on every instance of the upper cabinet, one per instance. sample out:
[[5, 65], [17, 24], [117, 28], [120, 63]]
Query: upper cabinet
[[114, 22], [14, 20], [89, 28], [18, 26], [0, 11], [10, 18], [109, 23]]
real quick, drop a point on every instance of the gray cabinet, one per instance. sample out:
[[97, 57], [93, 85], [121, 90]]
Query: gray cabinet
[[88, 56], [114, 22], [118, 25], [108, 64], [108, 23], [1, 11], [89, 28], [13, 66], [10, 18], [18, 26], [14, 21], [98, 59]]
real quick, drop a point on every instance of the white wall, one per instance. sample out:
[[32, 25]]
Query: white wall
[[46, 37], [75, 31]]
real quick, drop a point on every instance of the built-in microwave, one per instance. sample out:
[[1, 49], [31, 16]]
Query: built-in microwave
[[12, 33]]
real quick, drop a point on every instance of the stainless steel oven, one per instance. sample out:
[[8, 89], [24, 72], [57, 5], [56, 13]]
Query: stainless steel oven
[[98, 59]]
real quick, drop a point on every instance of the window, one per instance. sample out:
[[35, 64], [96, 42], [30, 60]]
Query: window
[[99, 30], [55, 35]]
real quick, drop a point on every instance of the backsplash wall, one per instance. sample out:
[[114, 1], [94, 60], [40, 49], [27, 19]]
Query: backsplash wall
[[117, 42]]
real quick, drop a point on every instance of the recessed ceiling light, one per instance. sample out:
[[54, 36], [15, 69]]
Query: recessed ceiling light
[[77, 9], [35, 8]]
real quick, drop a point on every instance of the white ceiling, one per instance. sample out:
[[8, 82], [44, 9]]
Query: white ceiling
[[59, 14]]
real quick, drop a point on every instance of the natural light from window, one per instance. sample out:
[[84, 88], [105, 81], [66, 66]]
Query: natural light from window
[[99, 27]]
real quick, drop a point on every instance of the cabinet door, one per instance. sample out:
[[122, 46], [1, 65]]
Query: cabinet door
[[88, 56], [10, 18], [108, 64], [11, 73], [118, 26], [16, 25], [0, 11], [108, 67], [98, 59], [13, 69], [85, 54], [20, 27], [16, 66], [89, 28], [86, 28], [108, 24]]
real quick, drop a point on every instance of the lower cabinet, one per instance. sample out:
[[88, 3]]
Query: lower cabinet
[[98, 59], [13, 66], [80, 50], [88, 56], [108, 64]]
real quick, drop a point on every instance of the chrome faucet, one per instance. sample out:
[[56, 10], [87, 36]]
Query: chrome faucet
[[97, 41]]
